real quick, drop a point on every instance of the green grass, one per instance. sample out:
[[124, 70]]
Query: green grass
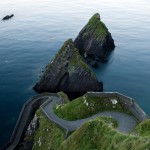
[[86, 106], [64, 47], [60, 53], [75, 60], [50, 135], [64, 97], [99, 135], [95, 27], [108, 120], [143, 129]]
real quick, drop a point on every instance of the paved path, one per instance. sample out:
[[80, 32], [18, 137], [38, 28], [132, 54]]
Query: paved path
[[126, 123]]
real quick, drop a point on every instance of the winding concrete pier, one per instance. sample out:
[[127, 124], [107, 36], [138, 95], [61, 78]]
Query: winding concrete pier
[[47, 100], [126, 123]]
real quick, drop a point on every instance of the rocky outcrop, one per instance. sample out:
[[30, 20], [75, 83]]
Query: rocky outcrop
[[8, 17], [27, 142], [94, 41], [68, 72], [33, 126]]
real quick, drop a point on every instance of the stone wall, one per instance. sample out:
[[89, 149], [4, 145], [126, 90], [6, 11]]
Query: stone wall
[[26, 115], [50, 118], [128, 103]]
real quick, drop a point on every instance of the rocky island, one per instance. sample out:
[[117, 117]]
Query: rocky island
[[94, 41], [8, 17], [68, 72]]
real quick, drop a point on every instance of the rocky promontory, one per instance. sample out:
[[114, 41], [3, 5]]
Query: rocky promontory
[[68, 72], [94, 41]]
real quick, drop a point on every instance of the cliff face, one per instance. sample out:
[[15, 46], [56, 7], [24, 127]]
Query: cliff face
[[68, 72], [94, 40]]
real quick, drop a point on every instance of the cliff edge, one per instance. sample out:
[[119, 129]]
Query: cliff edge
[[68, 72]]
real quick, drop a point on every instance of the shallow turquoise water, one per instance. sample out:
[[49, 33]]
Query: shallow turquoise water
[[30, 40]]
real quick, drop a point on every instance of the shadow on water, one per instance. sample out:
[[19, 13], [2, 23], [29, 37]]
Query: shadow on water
[[102, 66]]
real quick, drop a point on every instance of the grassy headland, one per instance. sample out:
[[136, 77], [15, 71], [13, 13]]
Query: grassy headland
[[86, 106], [48, 136], [99, 135]]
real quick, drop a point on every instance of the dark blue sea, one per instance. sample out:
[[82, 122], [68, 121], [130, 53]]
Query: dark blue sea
[[31, 39]]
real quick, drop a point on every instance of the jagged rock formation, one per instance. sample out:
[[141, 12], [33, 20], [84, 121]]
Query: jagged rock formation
[[8, 17], [68, 72], [27, 142], [33, 126], [94, 41]]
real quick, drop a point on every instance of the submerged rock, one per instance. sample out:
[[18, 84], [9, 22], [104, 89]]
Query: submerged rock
[[8, 17], [68, 72], [94, 40]]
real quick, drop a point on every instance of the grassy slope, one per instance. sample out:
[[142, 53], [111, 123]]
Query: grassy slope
[[97, 134], [75, 60], [78, 108], [52, 138], [64, 97], [97, 28], [143, 128], [50, 135]]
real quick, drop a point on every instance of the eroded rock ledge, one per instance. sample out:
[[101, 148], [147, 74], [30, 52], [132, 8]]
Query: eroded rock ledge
[[68, 72], [94, 41]]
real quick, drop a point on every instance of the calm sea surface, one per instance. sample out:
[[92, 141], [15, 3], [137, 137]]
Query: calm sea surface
[[31, 39]]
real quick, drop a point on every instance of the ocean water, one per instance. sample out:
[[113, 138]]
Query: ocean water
[[31, 39]]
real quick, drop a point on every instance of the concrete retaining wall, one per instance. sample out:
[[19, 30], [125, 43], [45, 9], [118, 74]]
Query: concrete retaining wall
[[25, 117], [57, 123], [128, 103]]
